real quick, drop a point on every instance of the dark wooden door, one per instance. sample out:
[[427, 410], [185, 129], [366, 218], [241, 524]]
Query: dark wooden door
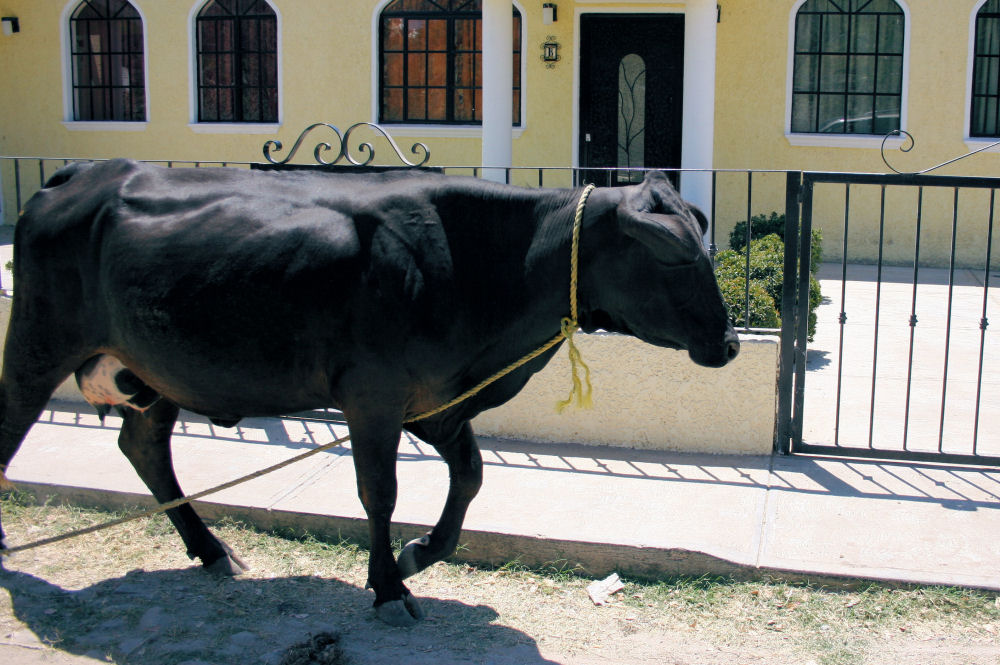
[[631, 84]]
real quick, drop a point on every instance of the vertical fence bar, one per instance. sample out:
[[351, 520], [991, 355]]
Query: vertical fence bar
[[947, 328], [913, 317], [842, 318], [786, 361], [41, 173], [878, 304], [983, 322], [801, 310], [746, 301], [17, 186], [713, 248]]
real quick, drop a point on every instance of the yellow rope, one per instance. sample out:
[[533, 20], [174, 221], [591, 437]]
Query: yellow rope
[[163, 507], [571, 325]]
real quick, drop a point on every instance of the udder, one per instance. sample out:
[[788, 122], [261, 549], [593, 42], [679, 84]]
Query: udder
[[106, 382]]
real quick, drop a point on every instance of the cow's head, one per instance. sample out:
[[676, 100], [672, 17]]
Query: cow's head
[[653, 278]]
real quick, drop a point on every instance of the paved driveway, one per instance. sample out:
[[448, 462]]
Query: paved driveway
[[938, 373]]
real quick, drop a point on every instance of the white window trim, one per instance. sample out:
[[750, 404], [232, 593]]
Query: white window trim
[[973, 142], [65, 40], [872, 141], [229, 127], [441, 131], [105, 125], [436, 130], [233, 127], [980, 142]]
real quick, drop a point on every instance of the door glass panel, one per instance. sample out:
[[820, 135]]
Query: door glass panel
[[631, 116]]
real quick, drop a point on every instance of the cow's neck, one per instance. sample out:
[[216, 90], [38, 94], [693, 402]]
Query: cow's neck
[[593, 240]]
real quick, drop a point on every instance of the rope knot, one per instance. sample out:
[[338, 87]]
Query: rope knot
[[582, 389]]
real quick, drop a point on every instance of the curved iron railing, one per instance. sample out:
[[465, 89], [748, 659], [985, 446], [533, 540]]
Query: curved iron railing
[[907, 148], [343, 147]]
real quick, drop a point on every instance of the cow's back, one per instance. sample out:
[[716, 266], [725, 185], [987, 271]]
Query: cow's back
[[295, 278]]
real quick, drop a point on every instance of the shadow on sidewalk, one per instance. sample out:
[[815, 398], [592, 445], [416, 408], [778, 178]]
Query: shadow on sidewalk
[[957, 488]]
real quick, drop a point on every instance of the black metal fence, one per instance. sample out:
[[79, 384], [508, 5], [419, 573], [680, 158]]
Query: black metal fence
[[735, 194], [903, 364]]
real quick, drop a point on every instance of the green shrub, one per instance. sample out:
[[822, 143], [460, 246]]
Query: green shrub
[[763, 313], [766, 274], [764, 225]]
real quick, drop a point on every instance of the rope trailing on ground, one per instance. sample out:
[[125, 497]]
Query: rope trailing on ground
[[163, 507], [581, 391]]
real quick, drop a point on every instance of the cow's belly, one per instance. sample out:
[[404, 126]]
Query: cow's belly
[[106, 382]]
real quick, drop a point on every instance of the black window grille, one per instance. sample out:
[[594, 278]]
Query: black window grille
[[985, 119], [108, 64], [430, 59], [237, 62], [848, 68]]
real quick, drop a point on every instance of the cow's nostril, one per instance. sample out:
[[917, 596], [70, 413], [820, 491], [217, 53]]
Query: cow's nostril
[[733, 350]]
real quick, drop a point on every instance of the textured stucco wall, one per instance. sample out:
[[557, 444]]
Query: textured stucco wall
[[644, 397], [650, 398]]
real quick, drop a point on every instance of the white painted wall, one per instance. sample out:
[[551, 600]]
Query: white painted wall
[[698, 140], [498, 95]]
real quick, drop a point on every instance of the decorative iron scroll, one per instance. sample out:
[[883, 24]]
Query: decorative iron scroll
[[904, 148], [343, 147]]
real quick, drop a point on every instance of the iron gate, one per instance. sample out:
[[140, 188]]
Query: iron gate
[[907, 367]]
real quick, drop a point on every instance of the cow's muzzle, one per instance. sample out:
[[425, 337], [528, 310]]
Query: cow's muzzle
[[717, 355], [732, 346]]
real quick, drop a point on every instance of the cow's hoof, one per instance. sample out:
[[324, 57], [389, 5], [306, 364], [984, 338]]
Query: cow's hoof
[[407, 560], [400, 613], [227, 565]]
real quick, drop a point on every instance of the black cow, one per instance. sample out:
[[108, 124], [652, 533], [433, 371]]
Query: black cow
[[238, 293]]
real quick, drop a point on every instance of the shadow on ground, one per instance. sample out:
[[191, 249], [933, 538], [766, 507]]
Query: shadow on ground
[[174, 616]]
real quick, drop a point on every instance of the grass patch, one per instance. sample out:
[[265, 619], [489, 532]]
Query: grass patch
[[298, 577]]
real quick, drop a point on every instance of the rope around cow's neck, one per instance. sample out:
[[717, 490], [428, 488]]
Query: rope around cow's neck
[[581, 391]]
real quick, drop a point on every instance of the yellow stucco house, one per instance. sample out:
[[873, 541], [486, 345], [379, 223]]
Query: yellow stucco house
[[695, 84]]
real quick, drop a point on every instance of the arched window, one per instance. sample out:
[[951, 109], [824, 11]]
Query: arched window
[[985, 118], [108, 66], [430, 59], [631, 117], [848, 68], [237, 61]]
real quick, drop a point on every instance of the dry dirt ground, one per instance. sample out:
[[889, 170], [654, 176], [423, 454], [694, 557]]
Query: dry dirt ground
[[133, 597]]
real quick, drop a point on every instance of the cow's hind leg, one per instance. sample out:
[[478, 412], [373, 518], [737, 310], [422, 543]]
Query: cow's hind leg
[[145, 440], [465, 469]]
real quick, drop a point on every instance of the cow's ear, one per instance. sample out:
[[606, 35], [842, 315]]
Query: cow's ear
[[655, 215], [700, 216]]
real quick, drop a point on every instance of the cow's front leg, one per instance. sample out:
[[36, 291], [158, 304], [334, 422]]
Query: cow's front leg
[[374, 444], [465, 470]]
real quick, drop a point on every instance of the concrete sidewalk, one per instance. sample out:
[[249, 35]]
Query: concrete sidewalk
[[639, 512]]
